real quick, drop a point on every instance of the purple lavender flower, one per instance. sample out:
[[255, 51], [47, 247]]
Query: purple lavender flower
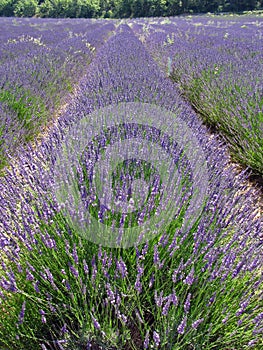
[[22, 313], [166, 306], [67, 285], [140, 270], [212, 299], [146, 341], [49, 275], [64, 329], [9, 285], [19, 267], [174, 276], [187, 303], [258, 331], [117, 299], [75, 255], [49, 241], [104, 260], [74, 270], [29, 275], [122, 268], [156, 259], [138, 285], [36, 284], [252, 342], [156, 338], [164, 240], [196, 323], [110, 293], [182, 325], [43, 318], [174, 298], [31, 267], [121, 316], [99, 253], [138, 316], [95, 322], [158, 300], [242, 308], [85, 266], [94, 273], [258, 318], [144, 251], [151, 281], [67, 247], [176, 271], [189, 278], [225, 319]]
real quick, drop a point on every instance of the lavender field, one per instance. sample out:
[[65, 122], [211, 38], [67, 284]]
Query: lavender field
[[128, 219]]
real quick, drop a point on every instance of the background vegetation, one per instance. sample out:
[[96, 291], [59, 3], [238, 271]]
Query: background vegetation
[[120, 8]]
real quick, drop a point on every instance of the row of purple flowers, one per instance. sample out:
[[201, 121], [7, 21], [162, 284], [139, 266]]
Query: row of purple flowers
[[41, 61], [217, 63]]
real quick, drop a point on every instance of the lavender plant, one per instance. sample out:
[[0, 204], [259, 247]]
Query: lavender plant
[[39, 69], [216, 63]]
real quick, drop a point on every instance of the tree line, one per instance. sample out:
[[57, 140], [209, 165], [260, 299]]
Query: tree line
[[121, 8]]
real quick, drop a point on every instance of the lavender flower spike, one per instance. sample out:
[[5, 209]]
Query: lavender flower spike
[[22, 313], [182, 325], [156, 339]]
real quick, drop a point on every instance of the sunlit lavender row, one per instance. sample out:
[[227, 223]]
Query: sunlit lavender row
[[199, 288], [41, 61], [218, 65]]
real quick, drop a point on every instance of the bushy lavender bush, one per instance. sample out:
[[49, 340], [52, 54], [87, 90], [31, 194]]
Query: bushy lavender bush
[[217, 62], [41, 61]]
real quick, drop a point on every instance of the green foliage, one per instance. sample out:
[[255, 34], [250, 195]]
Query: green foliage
[[69, 8], [29, 113], [25, 8], [119, 8], [219, 106], [76, 309], [25, 105], [7, 8]]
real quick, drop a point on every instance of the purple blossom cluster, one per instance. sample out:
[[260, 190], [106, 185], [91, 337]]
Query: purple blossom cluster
[[207, 279]]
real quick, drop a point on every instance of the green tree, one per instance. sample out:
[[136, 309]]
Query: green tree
[[125, 9], [109, 8], [25, 8], [157, 8], [245, 5], [204, 5], [55, 8], [185, 4], [142, 8], [174, 7], [84, 8], [69, 8], [7, 7]]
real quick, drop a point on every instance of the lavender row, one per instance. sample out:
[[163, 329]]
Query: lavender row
[[218, 65], [200, 288], [41, 60]]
